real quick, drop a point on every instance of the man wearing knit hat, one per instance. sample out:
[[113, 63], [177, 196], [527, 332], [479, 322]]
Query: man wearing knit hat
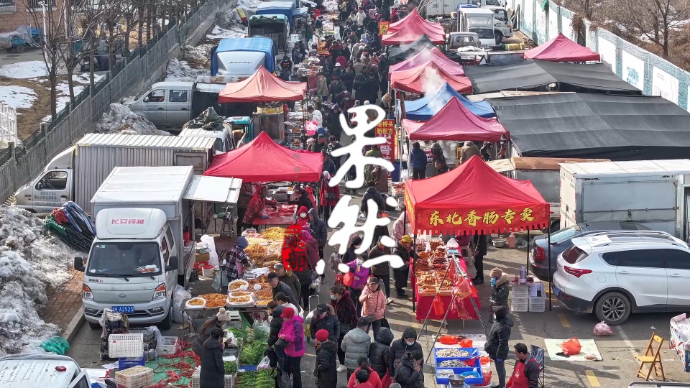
[[326, 356]]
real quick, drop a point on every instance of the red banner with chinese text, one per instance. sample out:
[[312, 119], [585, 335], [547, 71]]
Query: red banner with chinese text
[[471, 219], [386, 130]]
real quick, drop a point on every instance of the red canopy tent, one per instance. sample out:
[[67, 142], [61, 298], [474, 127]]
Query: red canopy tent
[[414, 18], [435, 55], [455, 122], [413, 80], [562, 49], [262, 160], [412, 28], [262, 86], [474, 198]]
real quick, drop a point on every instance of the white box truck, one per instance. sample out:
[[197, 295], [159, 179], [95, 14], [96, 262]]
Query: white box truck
[[655, 193], [41, 370], [76, 173], [139, 254]]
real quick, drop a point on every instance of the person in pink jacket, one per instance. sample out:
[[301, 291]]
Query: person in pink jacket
[[360, 278], [373, 301], [292, 332]]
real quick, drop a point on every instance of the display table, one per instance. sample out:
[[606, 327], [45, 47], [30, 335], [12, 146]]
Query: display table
[[424, 302], [276, 220]]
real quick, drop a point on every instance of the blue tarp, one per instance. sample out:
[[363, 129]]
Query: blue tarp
[[255, 44], [286, 8], [424, 108]]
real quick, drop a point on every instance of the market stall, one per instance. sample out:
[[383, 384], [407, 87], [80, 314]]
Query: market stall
[[416, 79], [423, 57], [411, 28], [471, 199], [562, 49], [426, 107], [262, 86]]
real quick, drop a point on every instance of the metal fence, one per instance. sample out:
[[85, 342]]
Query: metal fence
[[8, 124], [18, 164], [542, 20]]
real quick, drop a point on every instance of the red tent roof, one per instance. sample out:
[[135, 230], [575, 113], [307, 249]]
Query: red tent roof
[[435, 55], [412, 28], [262, 160], [262, 86], [413, 80], [562, 49], [455, 122], [474, 198]]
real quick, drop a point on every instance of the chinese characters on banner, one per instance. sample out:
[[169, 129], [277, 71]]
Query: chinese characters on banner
[[294, 252], [386, 130], [477, 219], [383, 27]]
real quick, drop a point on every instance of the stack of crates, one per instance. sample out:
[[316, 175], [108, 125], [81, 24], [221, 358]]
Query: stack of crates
[[235, 319], [537, 300], [128, 348], [136, 377], [519, 298], [196, 379]]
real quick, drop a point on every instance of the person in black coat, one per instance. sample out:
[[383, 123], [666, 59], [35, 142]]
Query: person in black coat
[[324, 318], [350, 254], [372, 193], [410, 374], [212, 368], [276, 323], [326, 357], [380, 352], [408, 343], [497, 342], [481, 243]]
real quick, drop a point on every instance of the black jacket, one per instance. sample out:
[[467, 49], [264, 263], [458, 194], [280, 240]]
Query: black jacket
[[405, 255], [275, 325], [481, 242], [319, 228], [372, 193], [399, 348], [326, 356], [407, 377], [380, 351], [212, 370], [497, 342], [285, 289], [382, 269], [330, 324], [305, 201]]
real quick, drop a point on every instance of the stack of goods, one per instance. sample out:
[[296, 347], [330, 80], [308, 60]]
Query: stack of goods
[[209, 301], [680, 338], [398, 189], [255, 379], [519, 297], [135, 377], [430, 270], [281, 211], [128, 349], [230, 370], [254, 292], [252, 343], [115, 323], [458, 361], [71, 225]]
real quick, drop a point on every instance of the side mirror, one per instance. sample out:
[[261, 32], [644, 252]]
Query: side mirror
[[79, 264], [172, 264], [146, 99]]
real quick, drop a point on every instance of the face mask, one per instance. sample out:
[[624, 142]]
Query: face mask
[[333, 297], [357, 246], [493, 282], [409, 343], [359, 261], [303, 215]]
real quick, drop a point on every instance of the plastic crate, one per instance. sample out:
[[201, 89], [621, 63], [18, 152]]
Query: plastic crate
[[519, 291], [196, 379], [460, 370], [537, 304], [125, 345], [135, 377], [519, 305], [169, 346], [130, 362], [473, 352]]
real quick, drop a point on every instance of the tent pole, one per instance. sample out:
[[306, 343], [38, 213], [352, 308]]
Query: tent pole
[[527, 266], [548, 257], [413, 277]]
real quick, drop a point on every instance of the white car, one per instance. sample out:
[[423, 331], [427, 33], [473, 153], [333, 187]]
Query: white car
[[613, 274]]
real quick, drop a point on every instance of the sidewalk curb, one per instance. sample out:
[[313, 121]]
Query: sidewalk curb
[[75, 324]]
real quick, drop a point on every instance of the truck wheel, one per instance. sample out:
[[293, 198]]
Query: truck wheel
[[499, 37], [166, 324], [613, 308], [95, 326], [20, 48]]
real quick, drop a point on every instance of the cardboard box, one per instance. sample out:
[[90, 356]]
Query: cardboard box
[[202, 257]]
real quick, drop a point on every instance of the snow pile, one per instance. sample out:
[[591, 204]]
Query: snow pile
[[24, 70], [181, 71], [249, 6], [120, 119], [17, 96], [30, 261], [229, 24], [236, 31], [200, 53]]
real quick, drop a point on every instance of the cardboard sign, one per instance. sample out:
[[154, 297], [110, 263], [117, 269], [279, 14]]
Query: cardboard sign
[[386, 130], [383, 27]]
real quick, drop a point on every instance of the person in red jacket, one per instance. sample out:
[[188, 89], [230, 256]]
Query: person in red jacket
[[329, 196], [526, 372]]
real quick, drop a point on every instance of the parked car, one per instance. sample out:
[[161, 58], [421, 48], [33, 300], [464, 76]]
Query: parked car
[[614, 274], [561, 240]]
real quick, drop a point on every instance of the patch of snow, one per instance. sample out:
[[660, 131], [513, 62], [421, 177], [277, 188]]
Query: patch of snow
[[237, 31], [248, 5], [201, 52], [24, 70], [30, 261], [17, 96], [120, 119], [181, 71], [84, 78]]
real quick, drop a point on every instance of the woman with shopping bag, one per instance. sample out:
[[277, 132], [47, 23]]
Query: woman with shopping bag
[[359, 274], [373, 301]]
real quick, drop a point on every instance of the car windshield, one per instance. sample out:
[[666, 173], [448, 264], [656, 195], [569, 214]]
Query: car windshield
[[124, 259], [484, 33], [564, 234]]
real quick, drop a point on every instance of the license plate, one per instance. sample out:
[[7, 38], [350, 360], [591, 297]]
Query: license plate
[[556, 291], [123, 309]]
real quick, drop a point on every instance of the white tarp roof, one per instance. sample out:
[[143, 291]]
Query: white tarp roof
[[214, 189]]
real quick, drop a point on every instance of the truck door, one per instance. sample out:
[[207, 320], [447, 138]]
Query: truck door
[[154, 106], [167, 250], [178, 106], [81, 381], [53, 189]]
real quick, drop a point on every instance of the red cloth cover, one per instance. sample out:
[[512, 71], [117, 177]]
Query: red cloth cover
[[435, 55], [412, 28], [425, 303], [262, 86], [562, 49], [413, 80]]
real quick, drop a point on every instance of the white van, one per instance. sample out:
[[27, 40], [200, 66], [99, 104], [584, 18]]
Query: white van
[[480, 21], [41, 370]]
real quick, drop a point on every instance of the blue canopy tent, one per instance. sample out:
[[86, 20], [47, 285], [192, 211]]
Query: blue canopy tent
[[423, 108], [286, 8]]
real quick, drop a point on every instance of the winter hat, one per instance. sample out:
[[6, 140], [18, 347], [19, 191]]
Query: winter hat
[[288, 312], [501, 312], [406, 239], [242, 242], [373, 280], [496, 273], [322, 335], [322, 308]]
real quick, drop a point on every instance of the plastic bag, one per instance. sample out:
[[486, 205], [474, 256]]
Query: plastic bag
[[57, 345], [438, 305], [264, 364], [448, 339], [210, 242], [463, 290], [179, 296], [261, 328], [348, 278], [466, 343], [571, 347], [602, 329]]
